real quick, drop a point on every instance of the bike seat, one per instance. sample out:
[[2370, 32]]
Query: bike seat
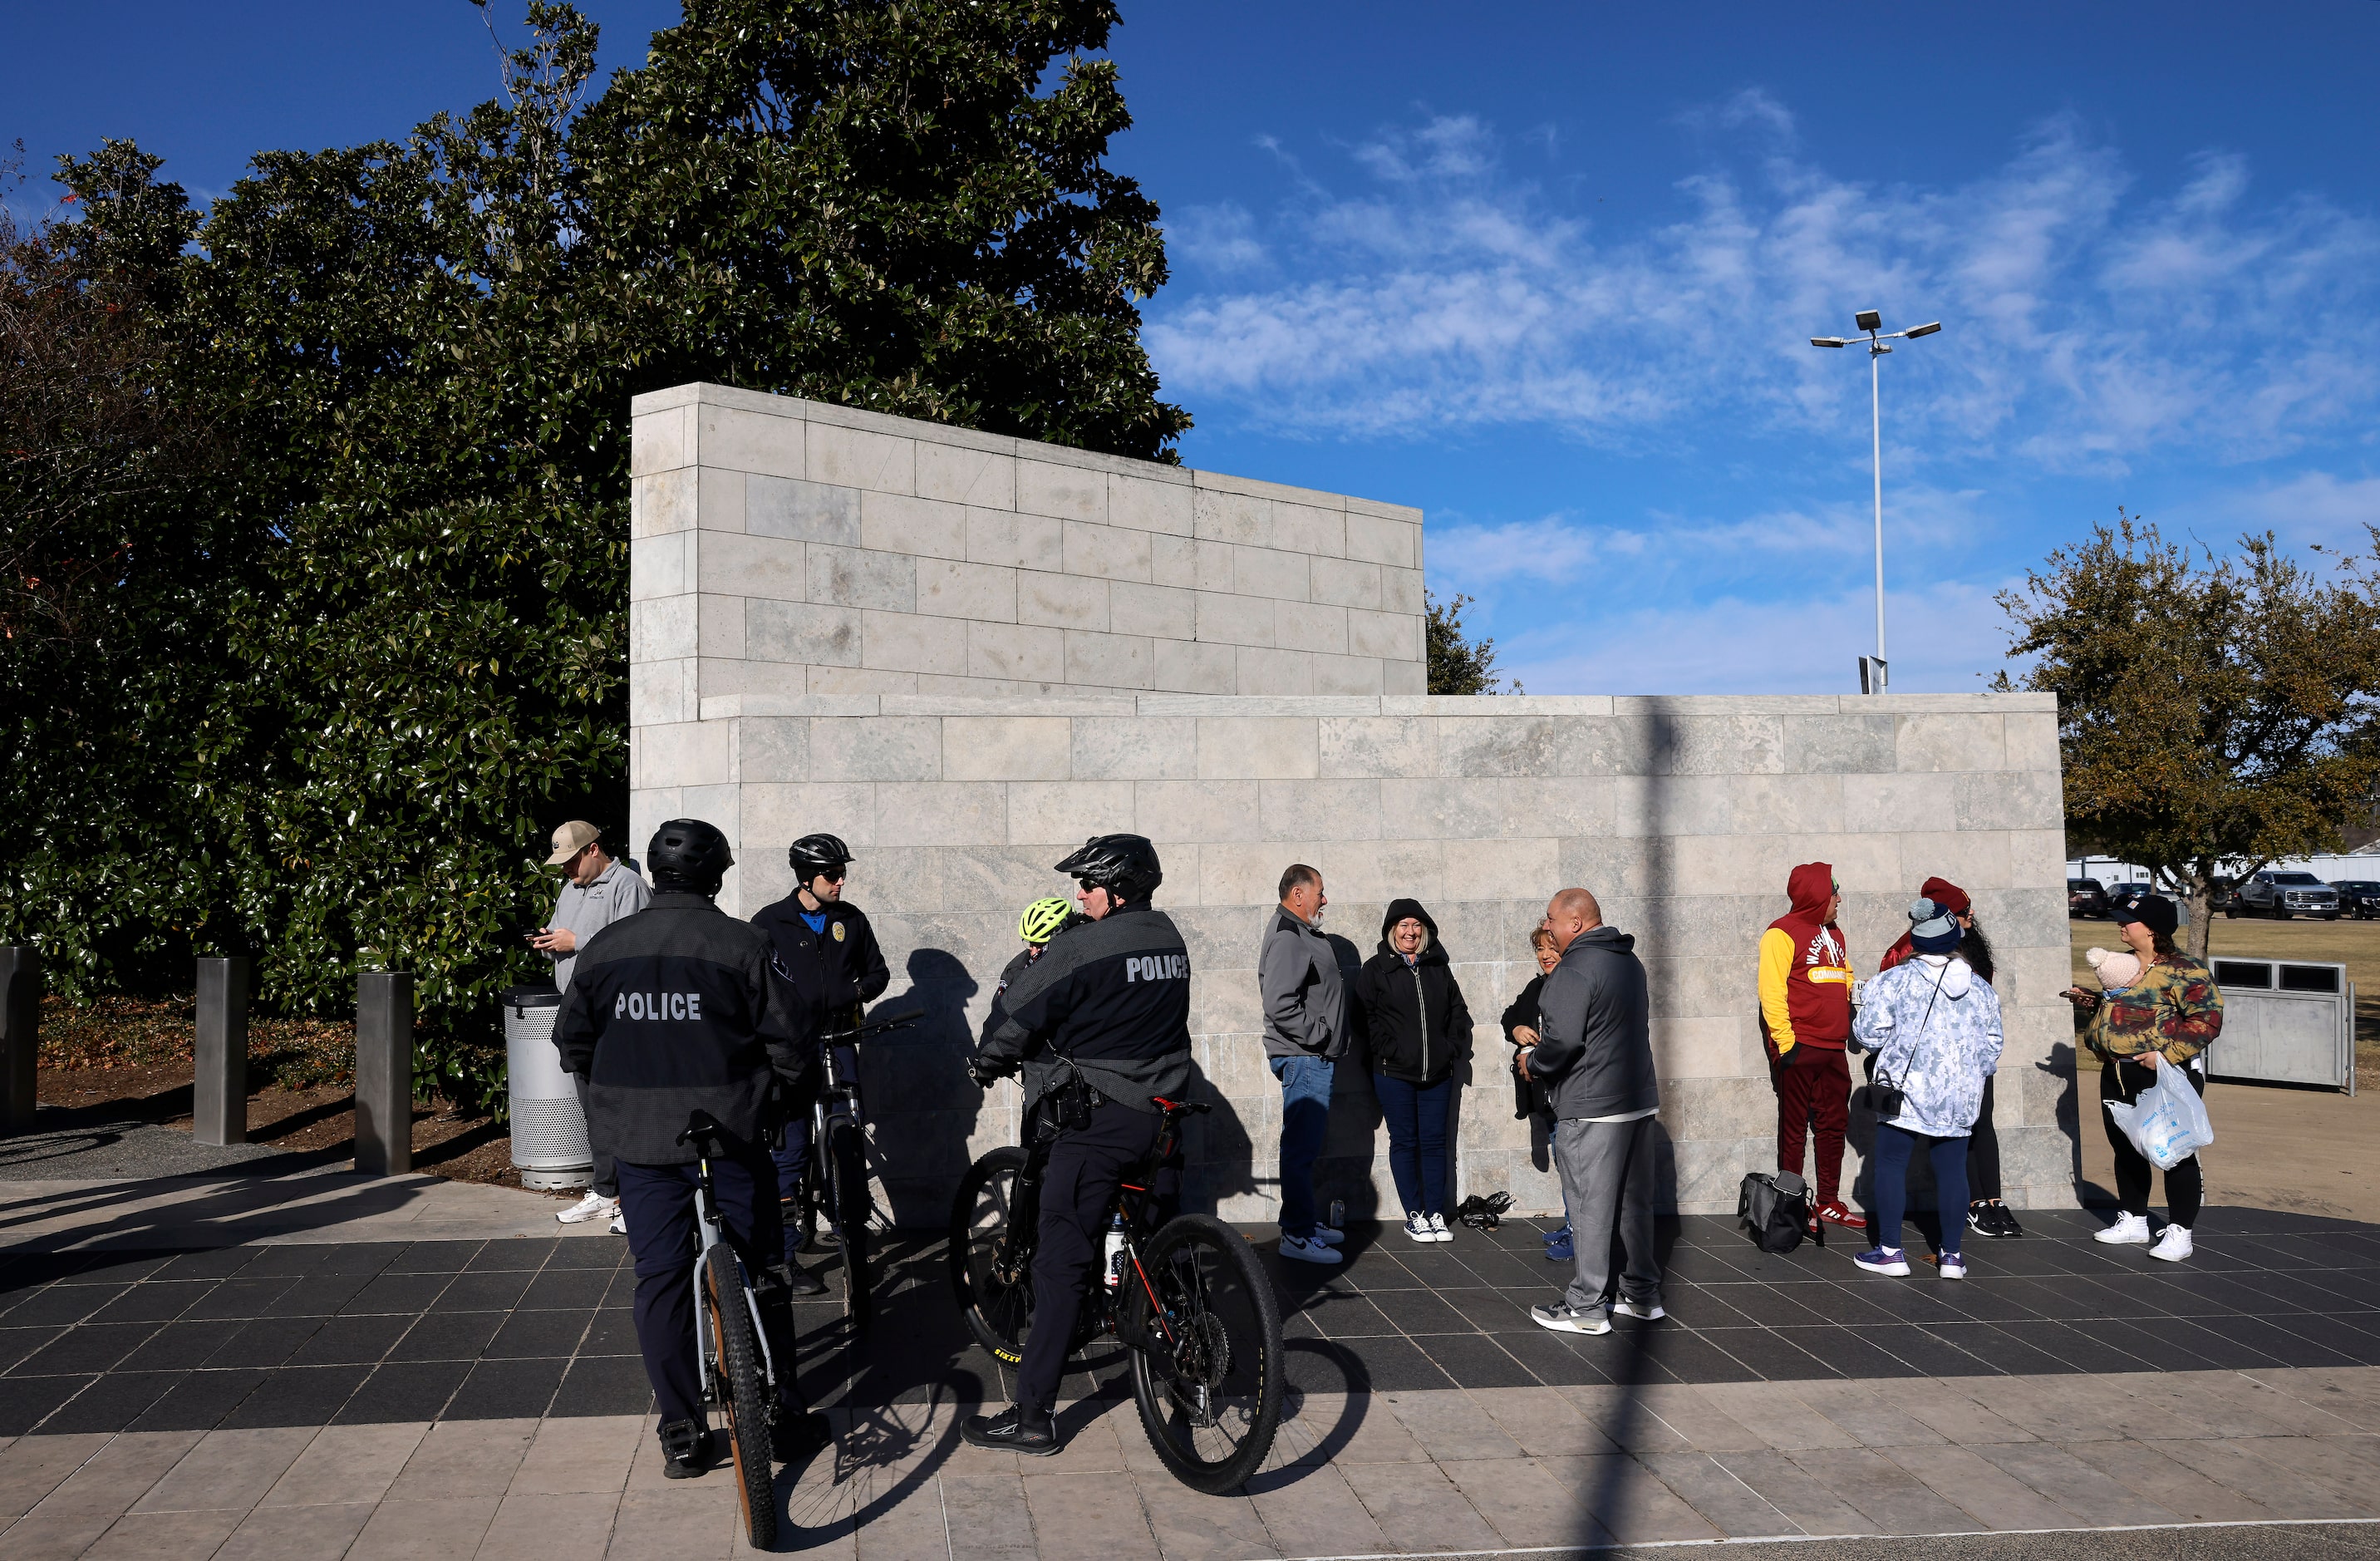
[[702, 1124]]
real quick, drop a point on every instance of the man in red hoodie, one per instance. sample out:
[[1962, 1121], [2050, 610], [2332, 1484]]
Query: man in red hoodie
[[1806, 1017]]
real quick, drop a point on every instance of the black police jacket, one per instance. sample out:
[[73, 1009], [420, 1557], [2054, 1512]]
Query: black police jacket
[[677, 1009], [835, 969], [1115, 995]]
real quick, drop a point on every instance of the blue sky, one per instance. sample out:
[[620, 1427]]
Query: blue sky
[[1548, 272]]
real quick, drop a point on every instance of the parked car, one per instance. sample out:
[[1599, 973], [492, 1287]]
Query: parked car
[[2086, 899], [2357, 897], [2283, 894]]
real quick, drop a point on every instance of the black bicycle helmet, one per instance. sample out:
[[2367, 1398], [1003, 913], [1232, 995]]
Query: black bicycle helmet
[[1124, 865], [813, 854], [687, 854]]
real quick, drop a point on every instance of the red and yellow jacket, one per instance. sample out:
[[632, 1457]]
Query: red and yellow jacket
[[1806, 977]]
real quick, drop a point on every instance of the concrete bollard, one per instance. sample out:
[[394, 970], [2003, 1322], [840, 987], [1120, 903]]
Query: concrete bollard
[[21, 1035], [219, 1093], [384, 1073]]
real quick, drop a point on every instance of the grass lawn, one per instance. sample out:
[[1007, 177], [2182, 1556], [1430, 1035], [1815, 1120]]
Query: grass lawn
[[2355, 945]]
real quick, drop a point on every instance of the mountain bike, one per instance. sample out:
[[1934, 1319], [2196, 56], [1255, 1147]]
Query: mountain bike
[[838, 1185], [731, 1348], [1187, 1297]]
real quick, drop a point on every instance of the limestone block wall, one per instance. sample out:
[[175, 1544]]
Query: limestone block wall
[[1684, 815], [792, 548]]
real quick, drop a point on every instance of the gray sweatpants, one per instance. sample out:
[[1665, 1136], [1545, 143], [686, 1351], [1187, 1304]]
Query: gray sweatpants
[[1607, 1176]]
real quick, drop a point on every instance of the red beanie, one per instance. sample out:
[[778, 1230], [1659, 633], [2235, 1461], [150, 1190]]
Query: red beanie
[[1942, 892]]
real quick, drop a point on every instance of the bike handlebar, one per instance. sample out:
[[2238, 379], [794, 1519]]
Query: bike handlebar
[[900, 1019]]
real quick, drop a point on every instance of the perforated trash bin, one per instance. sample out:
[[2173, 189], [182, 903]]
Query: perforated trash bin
[[549, 1130]]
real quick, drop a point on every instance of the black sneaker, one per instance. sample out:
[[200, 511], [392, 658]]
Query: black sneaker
[[796, 1437], [686, 1450], [1012, 1431], [2005, 1218], [800, 1281]]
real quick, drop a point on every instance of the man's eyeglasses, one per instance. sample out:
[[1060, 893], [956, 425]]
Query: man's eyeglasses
[[831, 874]]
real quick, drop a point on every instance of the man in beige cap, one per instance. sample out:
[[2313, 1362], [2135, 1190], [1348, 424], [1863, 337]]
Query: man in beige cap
[[597, 890]]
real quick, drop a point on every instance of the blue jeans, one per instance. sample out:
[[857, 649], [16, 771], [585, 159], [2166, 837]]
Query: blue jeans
[[1893, 1147], [1416, 1118], [1304, 1116]]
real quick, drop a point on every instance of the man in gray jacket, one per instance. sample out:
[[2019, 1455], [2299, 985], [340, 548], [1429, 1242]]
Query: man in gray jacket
[[1595, 1059], [1305, 1024]]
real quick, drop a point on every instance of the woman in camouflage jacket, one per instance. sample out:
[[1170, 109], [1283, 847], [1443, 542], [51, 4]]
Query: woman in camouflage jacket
[[2164, 1019]]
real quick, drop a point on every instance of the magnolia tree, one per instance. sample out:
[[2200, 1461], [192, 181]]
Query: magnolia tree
[[2214, 713]]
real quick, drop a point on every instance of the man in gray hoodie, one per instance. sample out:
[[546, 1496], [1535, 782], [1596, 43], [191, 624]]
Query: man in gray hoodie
[[1595, 1059], [1306, 1026]]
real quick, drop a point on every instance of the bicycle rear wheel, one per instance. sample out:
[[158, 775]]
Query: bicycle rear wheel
[[1204, 1334], [997, 1306], [847, 1152], [744, 1393]]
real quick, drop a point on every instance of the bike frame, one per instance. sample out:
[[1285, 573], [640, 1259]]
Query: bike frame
[[1130, 1200], [710, 1232]]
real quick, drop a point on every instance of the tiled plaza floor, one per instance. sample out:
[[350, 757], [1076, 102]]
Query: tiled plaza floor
[[361, 1333]]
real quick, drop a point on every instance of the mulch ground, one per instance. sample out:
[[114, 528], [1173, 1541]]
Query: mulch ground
[[135, 1055]]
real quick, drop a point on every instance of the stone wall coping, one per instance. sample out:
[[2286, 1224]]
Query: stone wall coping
[[797, 408], [727, 707]]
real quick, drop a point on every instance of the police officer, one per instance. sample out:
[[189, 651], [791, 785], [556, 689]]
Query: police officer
[[829, 952], [1099, 1024], [679, 1008]]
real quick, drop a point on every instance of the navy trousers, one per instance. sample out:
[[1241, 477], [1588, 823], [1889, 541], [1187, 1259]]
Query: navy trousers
[[658, 1201], [1086, 1166]]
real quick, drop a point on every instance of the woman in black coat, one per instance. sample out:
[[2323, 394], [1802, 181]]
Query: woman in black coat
[[1418, 1029]]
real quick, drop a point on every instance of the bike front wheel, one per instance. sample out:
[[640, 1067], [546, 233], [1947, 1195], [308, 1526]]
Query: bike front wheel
[[742, 1391], [1204, 1334], [848, 1153], [997, 1303]]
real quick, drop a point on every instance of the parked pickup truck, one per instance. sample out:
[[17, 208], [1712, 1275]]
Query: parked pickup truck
[[2283, 894]]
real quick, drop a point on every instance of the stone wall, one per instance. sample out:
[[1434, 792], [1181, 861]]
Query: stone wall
[[787, 547], [959, 791]]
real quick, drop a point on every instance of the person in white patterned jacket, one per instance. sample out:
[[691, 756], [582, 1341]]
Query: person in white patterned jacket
[[1936, 1030]]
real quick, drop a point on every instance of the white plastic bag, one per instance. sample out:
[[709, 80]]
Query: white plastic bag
[[2168, 1123]]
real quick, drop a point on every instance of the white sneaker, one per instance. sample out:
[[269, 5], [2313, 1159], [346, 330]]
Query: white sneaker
[[1329, 1236], [1306, 1251], [2131, 1230], [594, 1206], [1649, 1311], [2173, 1246], [1437, 1231], [1418, 1227], [1564, 1318], [1953, 1266], [619, 1225]]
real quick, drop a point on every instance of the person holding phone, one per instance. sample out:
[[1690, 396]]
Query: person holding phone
[[597, 890]]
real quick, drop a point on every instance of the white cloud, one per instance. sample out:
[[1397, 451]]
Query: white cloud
[[1941, 637], [2087, 324], [2316, 506]]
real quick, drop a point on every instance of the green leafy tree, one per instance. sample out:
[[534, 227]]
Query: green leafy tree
[[113, 579], [881, 205], [1457, 665], [2215, 713], [412, 607]]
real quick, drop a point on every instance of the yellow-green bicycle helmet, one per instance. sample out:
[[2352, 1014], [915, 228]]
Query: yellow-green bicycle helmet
[[1042, 919]]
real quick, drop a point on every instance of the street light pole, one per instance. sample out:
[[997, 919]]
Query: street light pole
[[1874, 672]]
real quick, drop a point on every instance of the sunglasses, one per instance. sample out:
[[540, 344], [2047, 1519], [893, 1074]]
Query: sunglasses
[[831, 874]]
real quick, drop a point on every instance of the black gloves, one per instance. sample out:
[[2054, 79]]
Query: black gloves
[[984, 1069]]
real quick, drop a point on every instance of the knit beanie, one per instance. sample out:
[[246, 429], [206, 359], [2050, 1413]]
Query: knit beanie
[[1932, 927]]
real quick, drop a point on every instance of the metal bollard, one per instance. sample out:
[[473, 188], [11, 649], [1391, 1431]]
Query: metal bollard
[[219, 1093], [384, 1073], [21, 1035]]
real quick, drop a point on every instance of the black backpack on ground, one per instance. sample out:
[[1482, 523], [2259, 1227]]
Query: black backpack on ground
[[1776, 1208]]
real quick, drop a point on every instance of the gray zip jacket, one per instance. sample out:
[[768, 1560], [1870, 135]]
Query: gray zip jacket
[[617, 894], [1305, 994], [1595, 1054]]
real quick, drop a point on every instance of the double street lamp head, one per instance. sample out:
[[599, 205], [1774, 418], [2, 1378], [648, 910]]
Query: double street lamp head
[[1871, 322]]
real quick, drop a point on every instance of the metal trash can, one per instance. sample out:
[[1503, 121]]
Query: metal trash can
[[549, 1130]]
